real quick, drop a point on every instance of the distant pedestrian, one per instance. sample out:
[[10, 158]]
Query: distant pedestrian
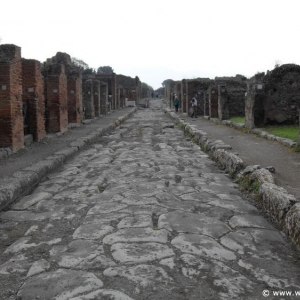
[[176, 103], [152, 95], [194, 107]]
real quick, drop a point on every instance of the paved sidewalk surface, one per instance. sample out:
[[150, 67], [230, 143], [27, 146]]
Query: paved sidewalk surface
[[53, 143], [142, 214], [254, 150]]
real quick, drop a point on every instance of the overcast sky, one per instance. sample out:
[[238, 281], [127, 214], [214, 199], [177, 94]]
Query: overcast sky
[[158, 39]]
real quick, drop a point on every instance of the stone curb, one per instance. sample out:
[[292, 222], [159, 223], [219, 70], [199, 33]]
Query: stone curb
[[23, 181], [282, 207], [263, 134]]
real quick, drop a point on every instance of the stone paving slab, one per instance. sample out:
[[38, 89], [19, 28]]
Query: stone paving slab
[[142, 214]]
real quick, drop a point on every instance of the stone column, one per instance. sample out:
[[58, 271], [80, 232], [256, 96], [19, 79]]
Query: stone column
[[113, 91], [206, 103], [299, 129], [11, 115], [184, 94], [75, 106], [213, 102], [88, 99], [104, 97], [96, 92], [223, 105], [254, 105], [56, 99], [33, 98]]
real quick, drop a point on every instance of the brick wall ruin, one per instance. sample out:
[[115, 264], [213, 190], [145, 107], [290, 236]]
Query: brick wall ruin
[[96, 96], [88, 98], [263, 100], [232, 96], [36, 98], [282, 95], [11, 112], [75, 106], [254, 105], [33, 99], [56, 98], [196, 88], [274, 98], [213, 99]]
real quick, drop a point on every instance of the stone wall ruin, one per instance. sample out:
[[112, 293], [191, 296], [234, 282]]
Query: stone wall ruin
[[36, 99]]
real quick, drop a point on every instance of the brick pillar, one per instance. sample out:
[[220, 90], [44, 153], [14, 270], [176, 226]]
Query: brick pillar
[[96, 96], [254, 103], [184, 104], [113, 91], [88, 99], [122, 97], [75, 107], [213, 102], [118, 104], [56, 99], [299, 129], [33, 98], [104, 97], [11, 113], [223, 107], [206, 103], [201, 100]]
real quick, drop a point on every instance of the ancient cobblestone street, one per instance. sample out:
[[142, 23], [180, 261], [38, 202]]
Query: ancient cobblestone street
[[144, 214]]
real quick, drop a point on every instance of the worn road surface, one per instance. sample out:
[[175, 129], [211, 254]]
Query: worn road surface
[[144, 214]]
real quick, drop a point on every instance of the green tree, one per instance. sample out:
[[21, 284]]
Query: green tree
[[105, 70], [79, 63], [165, 82], [146, 86]]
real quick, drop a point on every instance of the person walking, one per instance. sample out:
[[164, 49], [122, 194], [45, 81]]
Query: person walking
[[176, 103], [194, 107]]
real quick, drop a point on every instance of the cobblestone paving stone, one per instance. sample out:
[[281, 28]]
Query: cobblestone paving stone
[[144, 214]]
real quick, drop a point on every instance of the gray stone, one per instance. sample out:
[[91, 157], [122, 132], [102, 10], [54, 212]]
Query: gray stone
[[60, 284], [140, 253], [203, 246], [184, 222], [137, 235]]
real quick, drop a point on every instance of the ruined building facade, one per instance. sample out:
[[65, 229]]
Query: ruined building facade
[[36, 98]]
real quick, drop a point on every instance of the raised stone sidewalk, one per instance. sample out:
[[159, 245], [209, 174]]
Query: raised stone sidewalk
[[20, 172], [279, 205]]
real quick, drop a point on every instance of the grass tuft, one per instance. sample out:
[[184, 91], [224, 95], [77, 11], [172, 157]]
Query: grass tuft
[[237, 119], [285, 131]]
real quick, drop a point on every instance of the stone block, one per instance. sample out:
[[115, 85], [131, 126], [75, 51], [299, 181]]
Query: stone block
[[292, 224], [276, 202]]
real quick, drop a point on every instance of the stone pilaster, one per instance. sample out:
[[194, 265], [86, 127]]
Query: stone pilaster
[[11, 113]]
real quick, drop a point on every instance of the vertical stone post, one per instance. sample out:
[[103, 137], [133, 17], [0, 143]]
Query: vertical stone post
[[299, 129], [56, 99], [33, 98], [96, 96], [206, 103], [75, 106], [213, 102], [184, 96], [113, 91], [11, 114], [104, 98], [254, 103], [122, 97], [118, 97], [223, 109], [88, 99]]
